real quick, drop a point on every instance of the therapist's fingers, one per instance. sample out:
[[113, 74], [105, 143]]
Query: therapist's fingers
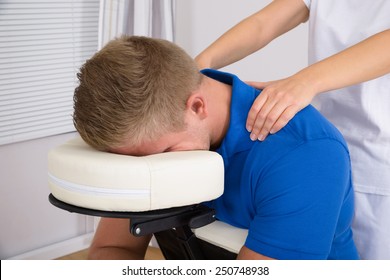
[[276, 105], [284, 118], [257, 106], [270, 114], [274, 108], [252, 121], [259, 85]]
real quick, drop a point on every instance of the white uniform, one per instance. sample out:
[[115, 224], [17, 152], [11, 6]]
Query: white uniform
[[360, 112]]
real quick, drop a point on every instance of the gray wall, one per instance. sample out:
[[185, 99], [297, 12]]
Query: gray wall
[[200, 22], [31, 227]]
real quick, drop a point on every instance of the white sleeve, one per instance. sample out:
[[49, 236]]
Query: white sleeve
[[307, 3]]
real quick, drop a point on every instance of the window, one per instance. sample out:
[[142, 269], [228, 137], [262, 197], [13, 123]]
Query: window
[[42, 46]]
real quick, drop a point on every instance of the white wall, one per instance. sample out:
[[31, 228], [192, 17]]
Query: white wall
[[31, 227], [200, 22]]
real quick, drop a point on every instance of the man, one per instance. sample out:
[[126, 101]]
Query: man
[[141, 96]]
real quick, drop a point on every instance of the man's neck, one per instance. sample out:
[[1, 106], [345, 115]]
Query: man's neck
[[219, 98]]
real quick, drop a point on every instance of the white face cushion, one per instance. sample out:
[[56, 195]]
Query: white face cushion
[[84, 177]]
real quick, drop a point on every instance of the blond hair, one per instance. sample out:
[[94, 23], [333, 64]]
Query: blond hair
[[134, 89]]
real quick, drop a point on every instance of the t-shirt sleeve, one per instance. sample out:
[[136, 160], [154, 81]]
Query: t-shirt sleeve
[[298, 202]]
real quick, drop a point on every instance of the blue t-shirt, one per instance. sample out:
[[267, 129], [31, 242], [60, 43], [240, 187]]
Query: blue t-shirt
[[293, 191]]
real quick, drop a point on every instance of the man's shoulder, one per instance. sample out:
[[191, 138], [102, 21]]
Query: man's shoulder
[[305, 129], [310, 125]]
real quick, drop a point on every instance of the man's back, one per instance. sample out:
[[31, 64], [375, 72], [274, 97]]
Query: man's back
[[293, 191]]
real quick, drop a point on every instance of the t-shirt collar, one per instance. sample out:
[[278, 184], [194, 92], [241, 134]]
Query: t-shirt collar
[[237, 137]]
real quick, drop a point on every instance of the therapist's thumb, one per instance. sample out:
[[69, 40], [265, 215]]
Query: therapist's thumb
[[258, 85]]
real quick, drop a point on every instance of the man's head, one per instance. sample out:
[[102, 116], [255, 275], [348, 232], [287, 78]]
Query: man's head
[[134, 90]]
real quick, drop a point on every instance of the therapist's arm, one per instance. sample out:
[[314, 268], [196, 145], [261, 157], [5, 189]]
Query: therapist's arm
[[113, 241], [253, 33], [282, 99]]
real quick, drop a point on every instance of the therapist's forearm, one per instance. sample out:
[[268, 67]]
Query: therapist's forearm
[[364, 61], [253, 33]]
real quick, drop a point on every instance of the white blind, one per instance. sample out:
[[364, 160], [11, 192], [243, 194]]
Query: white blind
[[42, 46]]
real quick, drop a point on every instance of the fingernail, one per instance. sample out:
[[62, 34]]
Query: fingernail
[[261, 137], [249, 128], [253, 137], [272, 131]]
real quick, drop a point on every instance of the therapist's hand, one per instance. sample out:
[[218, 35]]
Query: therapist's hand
[[277, 104]]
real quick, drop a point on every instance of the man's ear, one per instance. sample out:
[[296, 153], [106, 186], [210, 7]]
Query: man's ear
[[197, 105]]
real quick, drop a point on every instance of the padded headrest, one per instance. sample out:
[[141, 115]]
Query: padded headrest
[[84, 177]]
